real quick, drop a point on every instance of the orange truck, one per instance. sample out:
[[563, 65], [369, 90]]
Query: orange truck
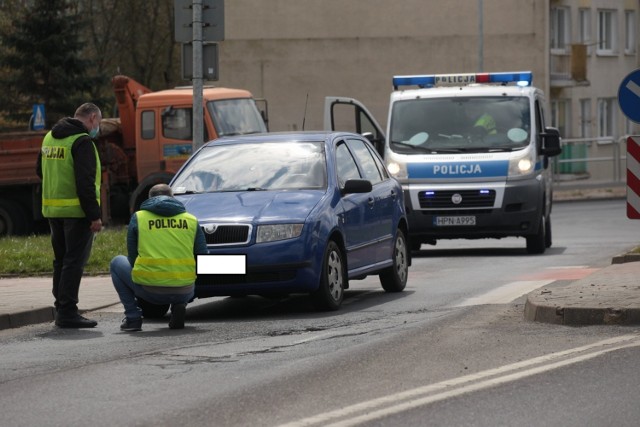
[[144, 146]]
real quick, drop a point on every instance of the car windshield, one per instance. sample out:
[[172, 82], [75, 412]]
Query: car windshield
[[254, 167], [461, 124], [236, 117]]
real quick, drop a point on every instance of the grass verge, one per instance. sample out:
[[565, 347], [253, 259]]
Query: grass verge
[[33, 255]]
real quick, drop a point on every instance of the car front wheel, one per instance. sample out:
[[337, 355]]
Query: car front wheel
[[394, 278], [330, 293]]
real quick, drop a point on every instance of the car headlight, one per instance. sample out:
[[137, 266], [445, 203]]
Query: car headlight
[[274, 232], [522, 165]]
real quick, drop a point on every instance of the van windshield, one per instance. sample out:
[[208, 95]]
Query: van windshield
[[461, 124], [236, 117]]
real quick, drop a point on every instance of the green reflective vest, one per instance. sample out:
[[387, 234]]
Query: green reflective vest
[[165, 250], [59, 194], [488, 123]]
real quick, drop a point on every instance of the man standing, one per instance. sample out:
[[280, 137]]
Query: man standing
[[162, 243], [69, 167]]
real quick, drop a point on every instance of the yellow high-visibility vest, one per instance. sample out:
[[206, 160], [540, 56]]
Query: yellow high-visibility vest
[[59, 194], [165, 250]]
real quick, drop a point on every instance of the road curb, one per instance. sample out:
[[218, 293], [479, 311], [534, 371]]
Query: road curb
[[564, 307], [27, 317]]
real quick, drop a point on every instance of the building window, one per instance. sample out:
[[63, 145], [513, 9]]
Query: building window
[[560, 116], [630, 32], [606, 31], [585, 118], [560, 29], [606, 112], [584, 16]]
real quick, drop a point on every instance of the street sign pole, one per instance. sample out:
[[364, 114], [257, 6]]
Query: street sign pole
[[198, 84], [629, 101]]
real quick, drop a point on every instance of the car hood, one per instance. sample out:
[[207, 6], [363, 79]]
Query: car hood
[[252, 206]]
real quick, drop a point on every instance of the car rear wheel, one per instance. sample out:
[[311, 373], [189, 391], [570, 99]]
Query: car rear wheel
[[152, 311], [330, 293], [394, 278]]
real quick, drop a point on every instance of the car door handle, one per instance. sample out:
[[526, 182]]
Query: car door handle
[[370, 202]]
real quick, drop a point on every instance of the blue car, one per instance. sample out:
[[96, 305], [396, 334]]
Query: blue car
[[308, 211]]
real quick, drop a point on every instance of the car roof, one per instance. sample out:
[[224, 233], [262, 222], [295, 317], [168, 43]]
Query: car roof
[[283, 137]]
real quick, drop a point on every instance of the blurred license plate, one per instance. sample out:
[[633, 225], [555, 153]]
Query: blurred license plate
[[446, 221]]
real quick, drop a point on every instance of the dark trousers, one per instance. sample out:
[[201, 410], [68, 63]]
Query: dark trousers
[[71, 239]]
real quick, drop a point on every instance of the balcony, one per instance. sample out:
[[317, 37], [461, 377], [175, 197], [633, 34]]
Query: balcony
[[568, 69]]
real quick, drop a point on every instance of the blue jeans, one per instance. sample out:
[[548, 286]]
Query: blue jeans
[[120, 269]]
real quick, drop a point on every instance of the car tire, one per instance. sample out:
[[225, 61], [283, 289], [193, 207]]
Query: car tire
[[330, 293], [394, 278], [152, 311], [536, 244]]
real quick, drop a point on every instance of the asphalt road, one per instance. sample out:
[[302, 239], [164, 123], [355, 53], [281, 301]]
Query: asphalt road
[[453, 349]]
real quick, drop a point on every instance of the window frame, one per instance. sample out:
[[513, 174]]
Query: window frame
[[607, 30]]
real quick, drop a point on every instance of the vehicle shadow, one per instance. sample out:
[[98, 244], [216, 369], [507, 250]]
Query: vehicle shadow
[[483, 252], [296, 306]]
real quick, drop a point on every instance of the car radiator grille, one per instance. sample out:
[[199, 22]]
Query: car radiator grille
[[226, 234], [467, 199]]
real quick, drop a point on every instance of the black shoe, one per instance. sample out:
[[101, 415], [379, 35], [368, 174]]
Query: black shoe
[[178, 312], [131, 325], [76, 321]]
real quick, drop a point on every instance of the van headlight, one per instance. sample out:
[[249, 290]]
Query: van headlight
[[398, 170], [523, 164], [274, 232]]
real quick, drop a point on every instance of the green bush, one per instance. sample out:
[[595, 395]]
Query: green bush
[[33, 255]]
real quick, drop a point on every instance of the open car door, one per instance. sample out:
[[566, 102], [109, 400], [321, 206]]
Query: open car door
[[349, 115]]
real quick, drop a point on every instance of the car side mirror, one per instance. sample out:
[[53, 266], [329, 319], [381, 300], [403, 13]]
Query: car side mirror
[[357, 186], [550, 142]]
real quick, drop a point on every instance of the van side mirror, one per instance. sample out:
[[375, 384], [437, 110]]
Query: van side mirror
[[550, 142]]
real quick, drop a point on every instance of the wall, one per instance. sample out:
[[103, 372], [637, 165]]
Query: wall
[[288, 50]]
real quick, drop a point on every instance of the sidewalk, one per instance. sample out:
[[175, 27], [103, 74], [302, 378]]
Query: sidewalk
[[28, 300], [608, 296]]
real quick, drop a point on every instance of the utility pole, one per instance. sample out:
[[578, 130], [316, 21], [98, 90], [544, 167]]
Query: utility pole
[[480, 37], [198, 83]]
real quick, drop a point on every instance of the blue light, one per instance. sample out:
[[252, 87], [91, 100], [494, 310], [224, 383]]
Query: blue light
[[429, 193], [484, 191], [520, 78]]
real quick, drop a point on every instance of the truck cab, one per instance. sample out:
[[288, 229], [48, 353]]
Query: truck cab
[[471, 152], [157, 128]]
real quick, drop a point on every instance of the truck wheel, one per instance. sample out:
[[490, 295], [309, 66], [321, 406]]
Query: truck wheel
[[330, 293], [536, 244], [152, 311], [13, 219], [394, 278]]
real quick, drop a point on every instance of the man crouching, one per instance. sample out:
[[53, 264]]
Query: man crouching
[[162, 243]]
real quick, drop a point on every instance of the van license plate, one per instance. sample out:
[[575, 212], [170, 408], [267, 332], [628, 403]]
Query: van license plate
[[447, 221]]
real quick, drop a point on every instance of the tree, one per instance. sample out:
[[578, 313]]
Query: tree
[[45, 61]]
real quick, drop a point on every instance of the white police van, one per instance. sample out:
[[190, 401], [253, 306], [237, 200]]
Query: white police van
[[471, 151]]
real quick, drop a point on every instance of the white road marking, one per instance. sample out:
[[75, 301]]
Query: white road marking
[[506, 293], [403, 401]]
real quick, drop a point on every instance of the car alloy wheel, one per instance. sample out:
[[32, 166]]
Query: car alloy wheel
[[330, 293]]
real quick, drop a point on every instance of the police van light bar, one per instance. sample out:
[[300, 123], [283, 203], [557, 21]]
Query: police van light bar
[[520, 78]]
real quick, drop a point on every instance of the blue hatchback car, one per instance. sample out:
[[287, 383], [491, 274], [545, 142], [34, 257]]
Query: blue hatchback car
[[309, 211]]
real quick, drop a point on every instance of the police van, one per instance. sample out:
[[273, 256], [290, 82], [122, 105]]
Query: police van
[[471, 152]]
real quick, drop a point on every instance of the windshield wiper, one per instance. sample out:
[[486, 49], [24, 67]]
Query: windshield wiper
[[413, 147]]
